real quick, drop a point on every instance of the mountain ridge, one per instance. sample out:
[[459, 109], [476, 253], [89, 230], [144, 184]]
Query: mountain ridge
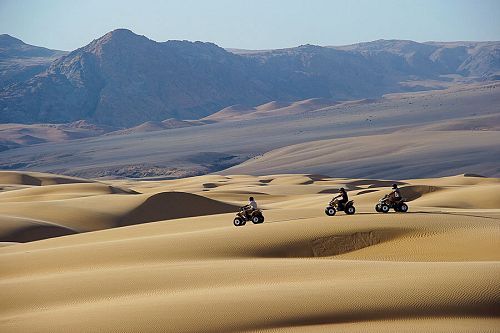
[[20, 61], [123, 79]]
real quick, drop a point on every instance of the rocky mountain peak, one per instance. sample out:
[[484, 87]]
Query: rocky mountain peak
[[9, 41]]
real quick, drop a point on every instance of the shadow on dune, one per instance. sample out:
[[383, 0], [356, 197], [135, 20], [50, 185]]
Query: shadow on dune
[[357, 185], [29, 180], [329, 191], [473, 175], [414, 192], [410, 192], [174, 205], [318, 178], [366, 192], [403, 311], [37, 232], [336, 244]]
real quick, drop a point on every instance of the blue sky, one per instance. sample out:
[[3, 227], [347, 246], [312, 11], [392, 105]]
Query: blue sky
[[257, 24]]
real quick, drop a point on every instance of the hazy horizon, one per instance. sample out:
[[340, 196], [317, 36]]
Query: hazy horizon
[[261, 49], [258, 25]]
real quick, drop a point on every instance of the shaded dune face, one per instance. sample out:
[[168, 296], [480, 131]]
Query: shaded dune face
[[414, 192], [64, 216], [37, 232], [174, 205]]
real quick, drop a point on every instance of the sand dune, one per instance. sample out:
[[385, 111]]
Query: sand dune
[[415, 152], [433, 269], [19, 229], [231, 112], [174, 205], [30, 134], [39, 212], [100, 211], [477, 197], [37, 178], [61, 191], [272, 106], [153, 126], [13, 180], [275, 108]]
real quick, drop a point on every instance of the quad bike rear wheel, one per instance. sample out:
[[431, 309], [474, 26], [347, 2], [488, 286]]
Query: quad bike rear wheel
[[403, 208], [238, 222], [330, 211]]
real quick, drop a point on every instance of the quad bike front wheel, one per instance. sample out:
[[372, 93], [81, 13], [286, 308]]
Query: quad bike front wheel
[[330, 211], [377, 208], [350, 210], [238, 222], [384, 208], [403, 208], [257, 219]]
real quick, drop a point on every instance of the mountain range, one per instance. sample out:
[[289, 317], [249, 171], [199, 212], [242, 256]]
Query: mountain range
[[20, 61], [123, 79]]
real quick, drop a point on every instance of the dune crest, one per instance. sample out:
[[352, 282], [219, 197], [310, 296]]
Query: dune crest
[[174, 205], [37, 178]]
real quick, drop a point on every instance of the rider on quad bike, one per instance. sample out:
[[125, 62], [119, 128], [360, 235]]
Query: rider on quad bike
[[252, 206], [392, 200], [341, 199], [395, 195], [340, 202], [247, 213]]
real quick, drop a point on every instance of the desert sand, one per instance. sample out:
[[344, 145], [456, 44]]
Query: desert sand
[[363, 138], [270, 109], [419, 151], [141, 256]]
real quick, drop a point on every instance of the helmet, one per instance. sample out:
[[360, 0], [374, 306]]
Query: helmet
[[251, 198], [342, 189], [394, 185]]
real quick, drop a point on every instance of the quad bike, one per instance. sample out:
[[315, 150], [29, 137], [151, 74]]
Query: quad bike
[[384, 205], [242, 217], [333, 207]]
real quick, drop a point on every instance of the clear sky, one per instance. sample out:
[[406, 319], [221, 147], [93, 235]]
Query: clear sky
[[253, 24]]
